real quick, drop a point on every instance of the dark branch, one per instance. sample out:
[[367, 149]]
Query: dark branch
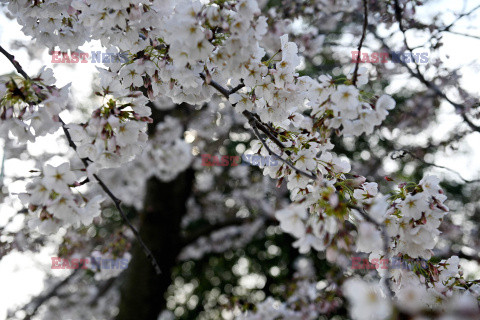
[[117, 203], [219, 88], [360, 44], [430, 85], [15, 63], [287, 162], [460, 16], [253, 120], [464, 34], [240, 86], [32, 307]]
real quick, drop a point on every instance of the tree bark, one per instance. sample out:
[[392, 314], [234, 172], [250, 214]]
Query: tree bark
[[143, 291]]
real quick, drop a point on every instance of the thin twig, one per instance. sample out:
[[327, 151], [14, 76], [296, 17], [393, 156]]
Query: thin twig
[[460, 16], [218, 87], [459, 107], [115, 200], [253, 118], [256, 124], [15, 63], [233, 90], [37, 302], [287, 162], [464, 34], [430, 85], [404, 152], [249, 115], [360, 44]]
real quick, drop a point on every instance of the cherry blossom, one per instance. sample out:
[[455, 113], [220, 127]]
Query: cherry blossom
[[227, 66]]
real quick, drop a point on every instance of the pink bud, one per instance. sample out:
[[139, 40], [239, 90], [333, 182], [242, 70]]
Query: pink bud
[[71, 10], [147, 119], [208, 34], [358, 181], [208, 78]]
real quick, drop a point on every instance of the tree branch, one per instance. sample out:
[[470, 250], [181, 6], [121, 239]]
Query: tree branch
[[104, 187], [464, 34], [360, 44], [287, 162], [103, 289], [37, 302], [430, 85], [460, 16], [257, 124], [218, 87], [233, 90], [404, 152], [15, 63], [254, 119]]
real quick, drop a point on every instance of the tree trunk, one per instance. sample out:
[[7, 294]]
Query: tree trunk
[[142, 292]]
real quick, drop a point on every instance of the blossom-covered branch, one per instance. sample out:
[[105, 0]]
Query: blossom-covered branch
[[256, 124], [180, 62], [104, 187]]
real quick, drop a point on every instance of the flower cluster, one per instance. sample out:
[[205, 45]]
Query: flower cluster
[[346, 108], [436, 289], [51, 23], [310, 231], [164, 156], [116, 132], [52, 199], [415, 217], [412, 218], [191, 38], [120, 23], [185, 50], [29, 108], [367, 300]]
